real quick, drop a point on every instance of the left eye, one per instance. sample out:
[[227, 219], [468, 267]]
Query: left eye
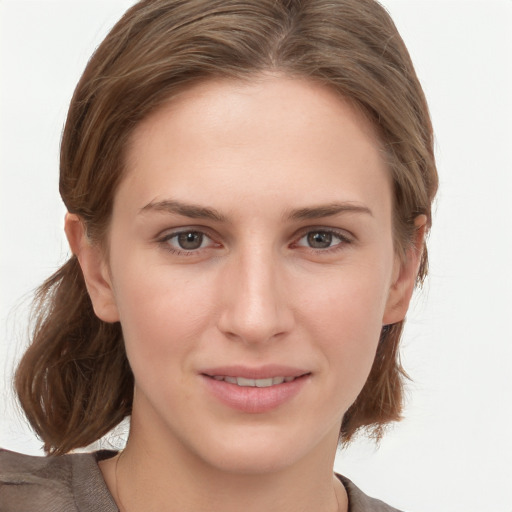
[[321, 239], [188, 240]]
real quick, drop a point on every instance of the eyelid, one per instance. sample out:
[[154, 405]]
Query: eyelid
[[342, 233], [345, 237], [170, 232], [166, 235]]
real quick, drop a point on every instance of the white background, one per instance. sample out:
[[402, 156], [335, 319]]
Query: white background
[[453, 452]]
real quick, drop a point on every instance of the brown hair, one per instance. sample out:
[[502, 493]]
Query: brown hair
[[74, 382]]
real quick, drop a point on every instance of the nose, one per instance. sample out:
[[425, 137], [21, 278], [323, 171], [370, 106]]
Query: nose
[[255, 305]]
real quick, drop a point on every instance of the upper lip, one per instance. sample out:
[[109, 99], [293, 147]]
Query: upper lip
[[255, 372]]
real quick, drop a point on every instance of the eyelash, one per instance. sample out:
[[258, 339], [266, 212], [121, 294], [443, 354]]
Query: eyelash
[[164, 241], [341, 236]]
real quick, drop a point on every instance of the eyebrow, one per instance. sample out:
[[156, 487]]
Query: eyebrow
[[328, 210], [195, 211], [192, 211]]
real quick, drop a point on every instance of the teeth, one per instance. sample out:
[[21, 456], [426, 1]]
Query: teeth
[[241, 381], [258, 383], [264, 383]]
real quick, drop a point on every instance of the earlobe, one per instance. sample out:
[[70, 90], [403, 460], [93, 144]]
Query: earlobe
[[405, 275], [94, 268]]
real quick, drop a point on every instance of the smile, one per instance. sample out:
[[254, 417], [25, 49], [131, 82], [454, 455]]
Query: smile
[[254, 383], [259, 390]]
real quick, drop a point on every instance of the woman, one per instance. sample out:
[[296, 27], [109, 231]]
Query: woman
[[249, 188]]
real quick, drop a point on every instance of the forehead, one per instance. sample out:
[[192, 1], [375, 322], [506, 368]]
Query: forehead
[[272, 135], [256, 105]]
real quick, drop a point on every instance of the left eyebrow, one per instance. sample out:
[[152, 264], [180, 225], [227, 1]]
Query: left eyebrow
[[328, 210]]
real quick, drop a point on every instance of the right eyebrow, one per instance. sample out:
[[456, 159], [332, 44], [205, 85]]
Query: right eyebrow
[[190, 210]]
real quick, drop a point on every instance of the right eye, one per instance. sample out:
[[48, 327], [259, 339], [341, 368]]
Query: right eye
[[186, 241]]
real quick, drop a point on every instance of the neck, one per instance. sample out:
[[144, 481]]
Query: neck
[[137, 491], [157, 472]]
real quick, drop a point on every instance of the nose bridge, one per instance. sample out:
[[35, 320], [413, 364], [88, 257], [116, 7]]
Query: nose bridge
[[256, 308]]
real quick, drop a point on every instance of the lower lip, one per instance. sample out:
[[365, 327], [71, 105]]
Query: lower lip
[[252, 399]]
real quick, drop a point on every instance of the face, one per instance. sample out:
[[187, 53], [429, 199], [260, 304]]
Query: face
[[251, 265]]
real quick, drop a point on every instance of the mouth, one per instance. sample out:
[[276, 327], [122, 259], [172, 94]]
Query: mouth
[[255, 383], [255, 390]]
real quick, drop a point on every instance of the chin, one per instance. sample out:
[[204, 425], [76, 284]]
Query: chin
[[255, 460], [262, 450]]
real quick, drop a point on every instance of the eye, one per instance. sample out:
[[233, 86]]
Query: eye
[[190, 240], [322, 239], [186, 241]]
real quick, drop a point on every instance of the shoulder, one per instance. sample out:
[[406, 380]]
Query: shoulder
[[360, 502], [53, 484]]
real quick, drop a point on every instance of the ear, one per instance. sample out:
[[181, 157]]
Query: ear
[[404, 276], [94, 268]]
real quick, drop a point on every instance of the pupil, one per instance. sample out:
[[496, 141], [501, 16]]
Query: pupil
[[190, 241], [320, 240]]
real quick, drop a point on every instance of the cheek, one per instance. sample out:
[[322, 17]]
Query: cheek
[[349, 301], [162, 313], [345, 319]]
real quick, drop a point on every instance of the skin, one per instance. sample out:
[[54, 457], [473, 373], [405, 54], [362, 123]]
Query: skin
[[254, 292]]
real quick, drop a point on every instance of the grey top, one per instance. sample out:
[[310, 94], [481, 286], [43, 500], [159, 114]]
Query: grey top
[[72, 483]]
